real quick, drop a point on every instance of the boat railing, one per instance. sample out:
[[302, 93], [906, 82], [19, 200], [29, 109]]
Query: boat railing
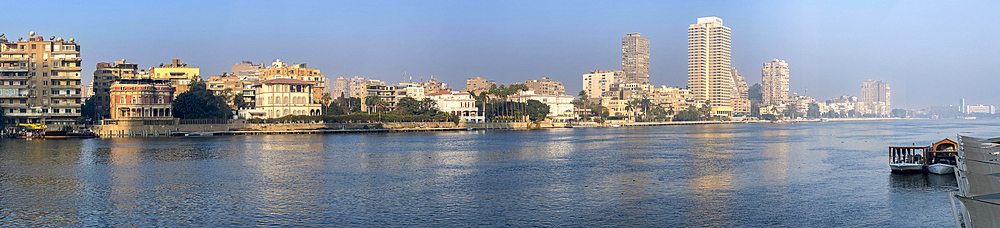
[[907, 154]]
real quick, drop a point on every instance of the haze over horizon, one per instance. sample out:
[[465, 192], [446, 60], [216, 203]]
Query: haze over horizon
[[932, 53]]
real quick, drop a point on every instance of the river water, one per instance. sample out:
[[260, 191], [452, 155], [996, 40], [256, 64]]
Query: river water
[[749, 175]]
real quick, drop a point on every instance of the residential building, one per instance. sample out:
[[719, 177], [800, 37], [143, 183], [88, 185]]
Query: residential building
[[459, 104], [546, 86], [774, 82], [875, 98], [179, 75], [980, 109], [673, 98], [141, 101], [87, 91], [635, 58], [349, 87], [741, 94], [219, 84], [387, 93], [104, 75], [281, 70], [559, 105], [709, 57], [597, 82], [478, 85], [40, 81], [248, 71], [277, 98], [411, 90], [433, 85]]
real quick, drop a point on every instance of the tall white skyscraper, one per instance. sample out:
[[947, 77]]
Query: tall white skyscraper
[[774, 82], [709, 56], [635, 58]]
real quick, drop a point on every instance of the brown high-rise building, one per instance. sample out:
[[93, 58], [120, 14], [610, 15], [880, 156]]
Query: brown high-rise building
[[635, 58], [40, 80], [477, 85]]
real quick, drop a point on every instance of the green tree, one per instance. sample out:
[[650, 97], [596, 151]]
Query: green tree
[[901, 113], [374, 103], [791, 111], [536, 110], [333, 109], [200, 103], [813, 111], [692, 113]]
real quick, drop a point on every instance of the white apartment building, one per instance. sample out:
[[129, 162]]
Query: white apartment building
[[774, 78], [459, 104], [281, 97], [709, 57], [559, 105]]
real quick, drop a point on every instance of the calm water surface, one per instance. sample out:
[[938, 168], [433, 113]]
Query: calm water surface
[[750, 175]]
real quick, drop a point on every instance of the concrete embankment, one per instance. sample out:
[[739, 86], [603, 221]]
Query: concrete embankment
[[239, 127]]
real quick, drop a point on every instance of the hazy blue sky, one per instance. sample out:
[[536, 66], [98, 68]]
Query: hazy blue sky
[[931, 52]]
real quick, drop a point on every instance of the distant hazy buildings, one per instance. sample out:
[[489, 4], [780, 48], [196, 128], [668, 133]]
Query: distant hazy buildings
[[348, 87], [478, 85], [980, 109], [248, 71], [709, 56], [433, 85], [635, 58], [875, 98], [741, 94], [599, 81], [546, 86], [774, 78], [40, 81]]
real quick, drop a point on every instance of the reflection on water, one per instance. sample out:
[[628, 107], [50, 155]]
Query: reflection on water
[[757, 175]]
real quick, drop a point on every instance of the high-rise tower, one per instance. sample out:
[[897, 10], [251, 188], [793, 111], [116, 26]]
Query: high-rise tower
[[709, 65], [41, 81], [635, 58], [774, 80]]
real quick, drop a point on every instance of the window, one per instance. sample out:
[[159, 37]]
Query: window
[[32, 47]]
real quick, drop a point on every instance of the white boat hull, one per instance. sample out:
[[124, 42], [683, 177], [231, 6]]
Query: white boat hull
[[941, 169], [906, 167]]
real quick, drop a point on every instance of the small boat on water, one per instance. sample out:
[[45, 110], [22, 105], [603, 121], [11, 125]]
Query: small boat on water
[[906, 159], [941, 169]]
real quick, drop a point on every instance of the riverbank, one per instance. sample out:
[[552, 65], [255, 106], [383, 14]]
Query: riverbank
[[239, 127]]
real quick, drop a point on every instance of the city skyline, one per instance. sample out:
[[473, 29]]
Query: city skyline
[[908, 44]]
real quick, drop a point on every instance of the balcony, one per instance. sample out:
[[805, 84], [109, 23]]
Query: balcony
[[65, 105], [65, 77], [66, 68], [15, 105], [64, 86], [15, 69], [14, 58], [74, 59], [23, 114]]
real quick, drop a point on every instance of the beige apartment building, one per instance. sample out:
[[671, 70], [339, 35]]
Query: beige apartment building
[[281, 70], [179, 74], [546, 86], [635, 58], [599, 81], [671, 97], [40, 80], [874, 98], [709, 64], [219, 84], [741, 94], [774, 86], [478, 85]]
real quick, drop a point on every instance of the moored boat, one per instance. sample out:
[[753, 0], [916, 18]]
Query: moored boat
[[941, 169], [906, 159]]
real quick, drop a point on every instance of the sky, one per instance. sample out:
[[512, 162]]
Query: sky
[[930, 52]]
